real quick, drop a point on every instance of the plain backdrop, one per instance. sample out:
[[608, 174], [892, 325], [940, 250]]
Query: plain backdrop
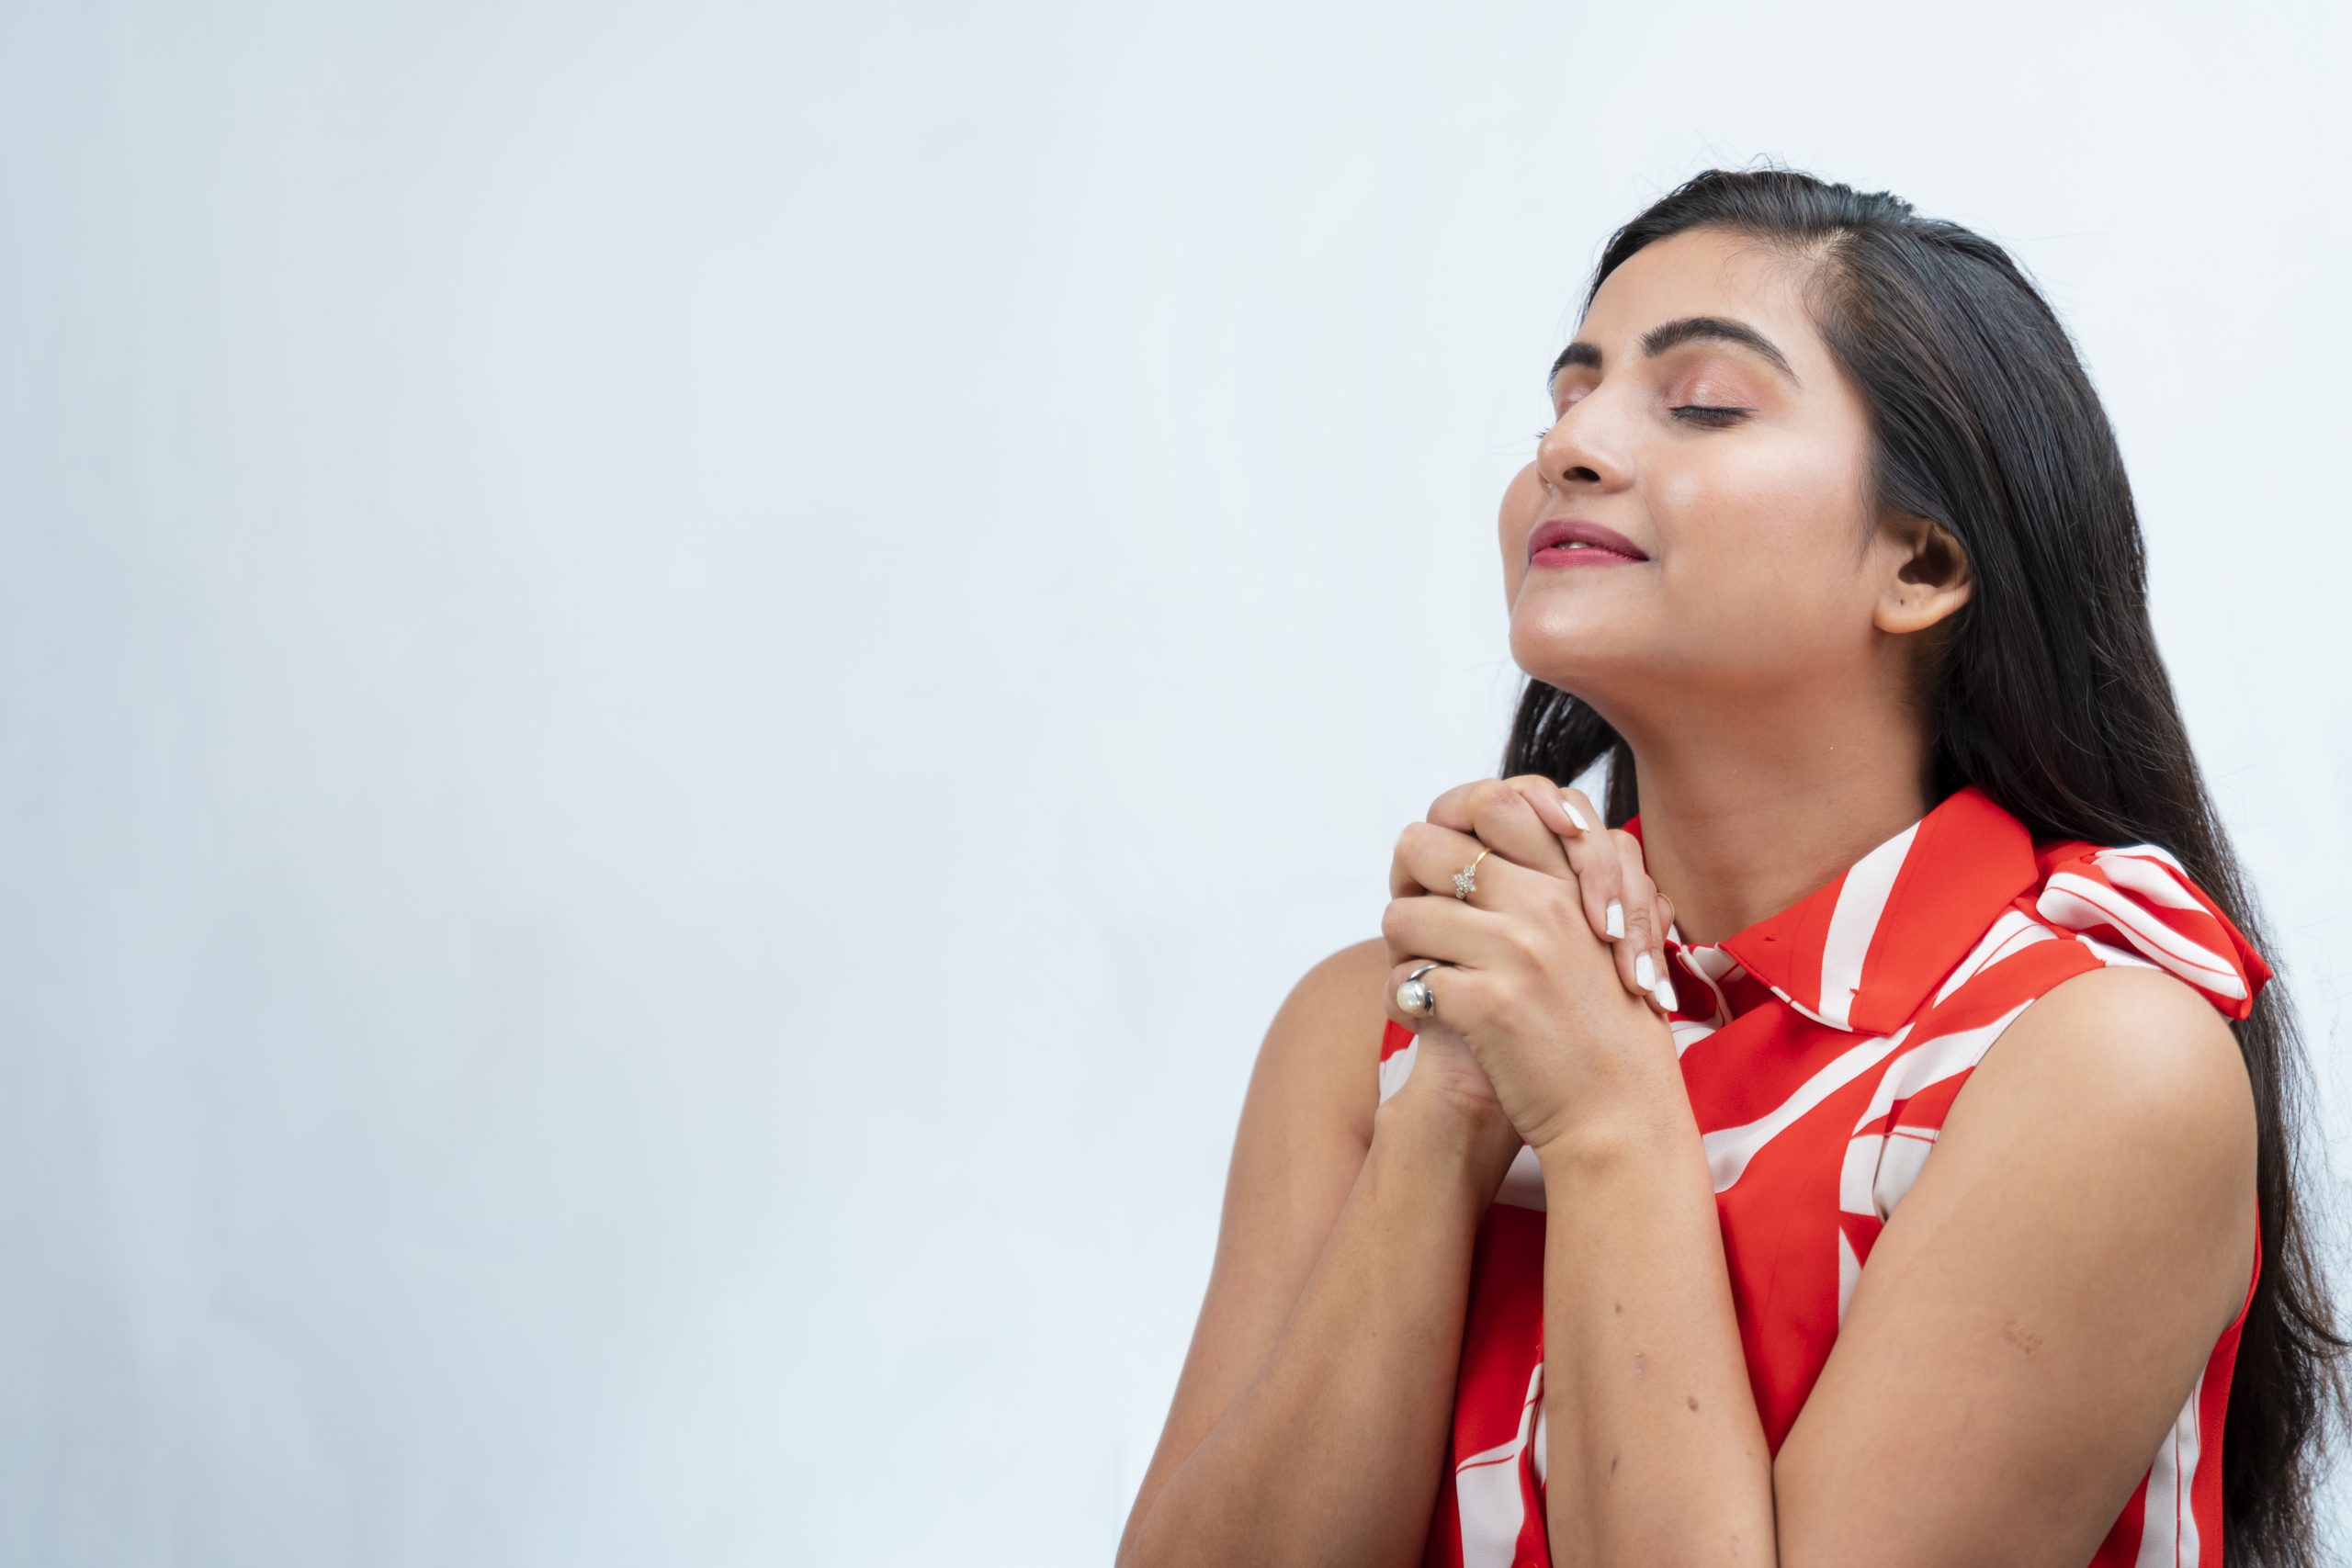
[[679, 682]]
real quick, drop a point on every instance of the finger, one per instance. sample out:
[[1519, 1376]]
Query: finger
[[1558, 808], [1497, 813], [1665, 917], [1443, 982], [1427, 858], [1450, 809], [1573, 817], [1618, 900], [1421, 926], [1396, 972], [1642, 955], [1599, 870]]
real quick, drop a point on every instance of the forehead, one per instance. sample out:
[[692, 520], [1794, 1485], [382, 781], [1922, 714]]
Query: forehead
[[1705, 272]]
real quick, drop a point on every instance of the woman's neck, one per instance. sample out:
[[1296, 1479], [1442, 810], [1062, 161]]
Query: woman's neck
[[1745, 836]]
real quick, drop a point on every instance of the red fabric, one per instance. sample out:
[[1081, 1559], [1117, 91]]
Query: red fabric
[[1821, 1049]]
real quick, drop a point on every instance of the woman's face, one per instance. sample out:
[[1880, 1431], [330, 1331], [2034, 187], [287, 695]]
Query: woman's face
[[1760, 578]]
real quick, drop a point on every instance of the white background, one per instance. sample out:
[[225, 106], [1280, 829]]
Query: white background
[[678, 684]]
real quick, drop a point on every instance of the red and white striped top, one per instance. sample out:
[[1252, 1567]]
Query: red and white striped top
[[1821, 1048]]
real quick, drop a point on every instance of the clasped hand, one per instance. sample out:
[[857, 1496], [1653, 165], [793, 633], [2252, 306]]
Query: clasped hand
[[1551, 1003]]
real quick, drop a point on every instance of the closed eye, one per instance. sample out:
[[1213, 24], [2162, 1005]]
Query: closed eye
[[1693, 414]]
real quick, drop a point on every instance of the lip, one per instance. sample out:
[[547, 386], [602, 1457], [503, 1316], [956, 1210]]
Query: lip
[[1562, 530]]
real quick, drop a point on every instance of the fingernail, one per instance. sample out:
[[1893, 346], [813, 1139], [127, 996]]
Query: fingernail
[[1665, 995], [1646, 973], [1617, 923], [1575, 816]]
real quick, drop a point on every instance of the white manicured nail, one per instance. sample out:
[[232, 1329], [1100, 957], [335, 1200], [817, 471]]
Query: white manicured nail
[[1575, 816], [1617, 923], [1646, 973], [1665, 995]]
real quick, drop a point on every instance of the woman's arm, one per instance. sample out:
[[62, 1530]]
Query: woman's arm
[[1310, 1419], [2023, 1336], [2036, 1313]]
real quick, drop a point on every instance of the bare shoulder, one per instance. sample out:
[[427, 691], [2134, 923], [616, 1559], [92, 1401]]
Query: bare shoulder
[[2135, 1080], [2133, 1038], [1329, 1029]]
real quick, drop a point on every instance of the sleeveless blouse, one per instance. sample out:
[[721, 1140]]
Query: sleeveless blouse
[[1821, 1048]]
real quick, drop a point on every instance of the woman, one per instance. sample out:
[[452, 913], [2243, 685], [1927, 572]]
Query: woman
[[1829, 554]]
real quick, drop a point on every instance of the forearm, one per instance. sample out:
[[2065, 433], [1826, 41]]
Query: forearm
[[1334, 1452], [1657, 1453]]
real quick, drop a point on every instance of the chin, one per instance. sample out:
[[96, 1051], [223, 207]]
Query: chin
[[1555, 662]]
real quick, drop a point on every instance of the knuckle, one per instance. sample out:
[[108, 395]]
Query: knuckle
[[1462, 993], [1582, 857], [1527, 785], [1489, 795]]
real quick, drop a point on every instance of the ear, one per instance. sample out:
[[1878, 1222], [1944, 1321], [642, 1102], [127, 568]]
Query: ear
[[1929, 580]]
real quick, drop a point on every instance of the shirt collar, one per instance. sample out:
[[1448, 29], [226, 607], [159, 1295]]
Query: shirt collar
[[1862, 951]]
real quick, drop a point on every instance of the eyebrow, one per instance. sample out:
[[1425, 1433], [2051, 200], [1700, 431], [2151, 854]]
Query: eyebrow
[[1672, 334]]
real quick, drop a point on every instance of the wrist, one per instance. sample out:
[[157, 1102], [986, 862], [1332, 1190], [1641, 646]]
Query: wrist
[[1634, 1130], [1476, 1147]]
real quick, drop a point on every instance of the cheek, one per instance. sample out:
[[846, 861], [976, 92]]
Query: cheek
[[1766, 500], [1522, 505], [1522, 501], [1763, 555]]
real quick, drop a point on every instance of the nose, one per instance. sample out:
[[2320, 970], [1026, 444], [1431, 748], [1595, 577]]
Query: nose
[[1555, 468], [1570, 451]]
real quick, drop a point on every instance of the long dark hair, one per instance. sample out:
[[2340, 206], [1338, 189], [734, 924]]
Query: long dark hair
[[2046, 690]]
